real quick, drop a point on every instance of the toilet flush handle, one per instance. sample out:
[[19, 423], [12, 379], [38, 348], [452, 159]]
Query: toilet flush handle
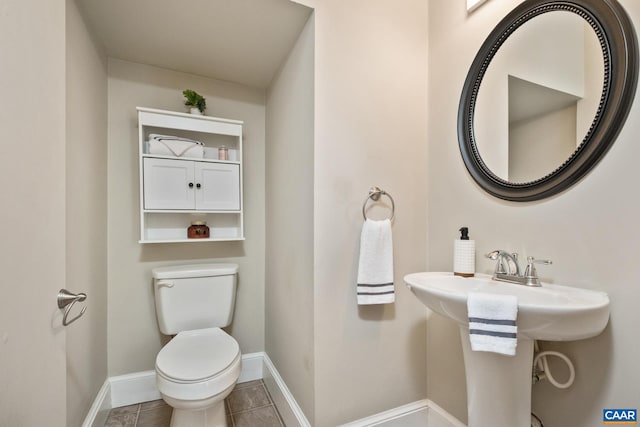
[[165, 283]]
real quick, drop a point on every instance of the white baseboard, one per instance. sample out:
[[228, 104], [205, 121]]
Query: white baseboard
[[438, 417], [288, 408], [141, 387], [252, 367], [392, 416], [133, 388], [416, 414], [99, 411]]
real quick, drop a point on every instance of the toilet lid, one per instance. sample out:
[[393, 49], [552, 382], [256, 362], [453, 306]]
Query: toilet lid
[[197, 355]]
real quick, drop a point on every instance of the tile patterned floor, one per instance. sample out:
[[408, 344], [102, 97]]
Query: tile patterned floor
[[248, 405]]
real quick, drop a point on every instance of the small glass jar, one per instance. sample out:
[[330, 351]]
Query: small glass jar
[[223, 153], [198, 230]]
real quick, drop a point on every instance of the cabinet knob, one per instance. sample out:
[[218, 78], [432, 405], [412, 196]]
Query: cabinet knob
[[198, 185], [191, 185]]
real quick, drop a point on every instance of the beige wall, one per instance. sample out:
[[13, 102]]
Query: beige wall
[[32, 218], [539, 145], [370, 129], [134, 339], [289, 222], [86, 209], [590, 232]]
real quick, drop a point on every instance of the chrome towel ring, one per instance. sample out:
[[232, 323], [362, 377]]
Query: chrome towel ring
[[374, 194]]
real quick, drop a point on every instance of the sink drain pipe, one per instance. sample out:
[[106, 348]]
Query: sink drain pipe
[[542, 371]]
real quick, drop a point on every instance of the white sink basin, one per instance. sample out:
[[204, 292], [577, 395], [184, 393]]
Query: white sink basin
[[499, 386], [549, 313]]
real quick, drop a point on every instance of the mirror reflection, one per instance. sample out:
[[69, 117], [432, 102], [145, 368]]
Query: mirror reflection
[[539, 97]]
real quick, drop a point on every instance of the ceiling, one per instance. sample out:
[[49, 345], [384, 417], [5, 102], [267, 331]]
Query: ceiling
[[242, 41]]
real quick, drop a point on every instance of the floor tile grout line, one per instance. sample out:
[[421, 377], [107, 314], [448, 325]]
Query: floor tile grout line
[[138, 414], [266, 390], [252, 409], [248, 384], [273, 403]]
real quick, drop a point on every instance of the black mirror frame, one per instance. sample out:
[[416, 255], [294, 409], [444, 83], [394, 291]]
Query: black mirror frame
[[620, 49]]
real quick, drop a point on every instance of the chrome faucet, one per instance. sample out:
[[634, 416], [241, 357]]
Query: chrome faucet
[[508, 270]]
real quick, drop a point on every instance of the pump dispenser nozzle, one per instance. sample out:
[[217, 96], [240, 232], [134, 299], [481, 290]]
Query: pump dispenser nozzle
[[464, 233]]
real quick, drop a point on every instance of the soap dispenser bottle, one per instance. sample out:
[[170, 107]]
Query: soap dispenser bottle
[[464, 255]]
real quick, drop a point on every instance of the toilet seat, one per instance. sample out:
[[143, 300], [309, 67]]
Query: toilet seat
[[198, 364], [193, 356]]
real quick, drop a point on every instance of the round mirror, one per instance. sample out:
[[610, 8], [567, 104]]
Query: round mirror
[[546, 96]]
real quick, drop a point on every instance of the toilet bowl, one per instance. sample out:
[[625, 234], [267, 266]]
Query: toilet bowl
[[195, 372], [199, 367]]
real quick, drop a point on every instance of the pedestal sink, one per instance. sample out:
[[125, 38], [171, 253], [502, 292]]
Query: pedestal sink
[[498, 386]]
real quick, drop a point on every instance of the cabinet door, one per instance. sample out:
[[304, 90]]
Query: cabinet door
[[218, 186], [168, 184]]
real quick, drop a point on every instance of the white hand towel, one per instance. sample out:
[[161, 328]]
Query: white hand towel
[[375, 267], [492, 322]]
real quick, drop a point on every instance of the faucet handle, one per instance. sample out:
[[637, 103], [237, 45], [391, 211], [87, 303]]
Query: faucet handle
[[492, 255], [504, 262], [530, 271]]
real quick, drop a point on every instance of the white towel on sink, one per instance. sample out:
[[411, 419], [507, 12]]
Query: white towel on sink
[[492, 322], [375, 266]]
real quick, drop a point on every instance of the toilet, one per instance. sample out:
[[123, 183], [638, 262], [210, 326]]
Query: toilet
[[199, 367]]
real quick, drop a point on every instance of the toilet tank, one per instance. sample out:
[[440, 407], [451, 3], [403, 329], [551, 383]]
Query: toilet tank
[[194, 296]]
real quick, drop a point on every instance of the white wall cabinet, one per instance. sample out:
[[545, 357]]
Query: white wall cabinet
[[174, 191], [190, 185]]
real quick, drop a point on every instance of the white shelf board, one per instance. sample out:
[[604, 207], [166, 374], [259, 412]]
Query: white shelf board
[[189, 122], [194, 159], [179, 211], [226, 239]]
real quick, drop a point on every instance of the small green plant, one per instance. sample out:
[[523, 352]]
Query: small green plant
[[194, 99]]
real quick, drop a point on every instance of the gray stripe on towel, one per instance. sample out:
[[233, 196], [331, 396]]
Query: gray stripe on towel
[[376, 285], [492, 321], [375, 293], [492, 333]]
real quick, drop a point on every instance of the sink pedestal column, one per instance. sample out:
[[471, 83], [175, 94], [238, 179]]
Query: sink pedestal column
[[498, 386]]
